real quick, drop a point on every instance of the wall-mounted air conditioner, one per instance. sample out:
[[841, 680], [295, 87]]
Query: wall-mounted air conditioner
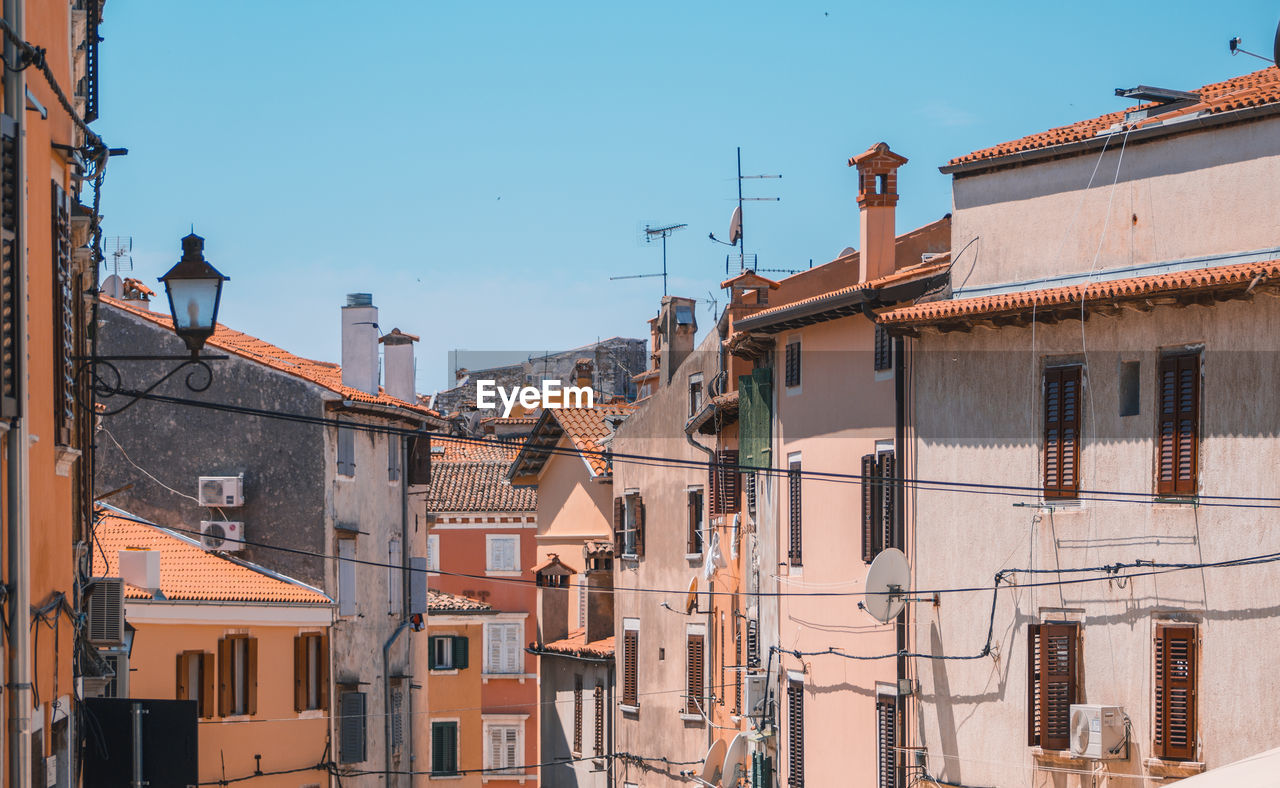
[[221, 535], [755, 690], [220, 491], [106, 612], [1097, 732]]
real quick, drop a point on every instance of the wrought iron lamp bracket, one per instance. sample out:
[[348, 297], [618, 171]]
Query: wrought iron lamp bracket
[[106, 382]]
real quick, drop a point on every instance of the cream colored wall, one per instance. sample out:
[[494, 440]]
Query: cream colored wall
[[977, 410]]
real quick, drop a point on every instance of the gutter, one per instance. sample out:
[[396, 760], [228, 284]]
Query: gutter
[[861, 298], [538, 652]]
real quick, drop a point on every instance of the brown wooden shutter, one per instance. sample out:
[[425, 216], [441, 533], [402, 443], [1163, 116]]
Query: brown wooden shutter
[[1033, 685], [794, 525], [883, 349], [11, 325], [419, 470], [695, 523], [639, 551], [886, 467], [208, 692], [64, 409], [251, 680], [1178, 424], [795, 734], [225, 659], [753, 643], [886, 743], [870, 507], [300, 677], [793, 364], [630, 645], [695, 673], [181, 693], [725, 476], [1175, 692], [577, 715], [324, 670], [1058, 643], [599, 715], [619, 523], [1062, 432]]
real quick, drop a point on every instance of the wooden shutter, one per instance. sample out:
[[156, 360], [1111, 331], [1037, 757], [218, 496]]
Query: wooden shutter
[[695, 522], [324, 670], [251, 676], [639, 549], [795, 734], [1175, 692], [444, 747], [599, 715], [886, 743], [724, 482], [64, 332], [301, 676], [883, 349], [393, 458], [11, 290], [1057, 683], [419, 470], [619, 523], [1061, 432], [795, 529], [695, 673], [630, 648], [887, 468], [351, 735], [737, 661], [209, 680], [226, 656], [1178, 424], [793, 363], [753, 643], [577, 715], [870, 506], [460, 655], [181, 692], [1033, 685]]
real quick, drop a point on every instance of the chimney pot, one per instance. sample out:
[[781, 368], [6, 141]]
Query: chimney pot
[[360, 343]]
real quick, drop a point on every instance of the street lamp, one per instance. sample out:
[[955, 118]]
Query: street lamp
[[194, 288]]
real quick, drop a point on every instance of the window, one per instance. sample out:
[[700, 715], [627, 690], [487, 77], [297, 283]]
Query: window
[[883, 352], [64, 320], [695, 522], [12, 370], [351, 736], [397, 718], [794, 509], [433, 552], [879, 503], [582, 603], [630, 655], [695, 672], [599, 720], [197, 677], [448, 652], [311, 671], [886, 742], [419, 469], [393, 458], [395, 577], [502, 648], [577, 715], [444, 748], [346, 577], [1174, 720], [1130, 388], [795, 733], [723, 476], [1178, 424], [346, 452], [502, 747], [753, 643], [695, 393], [1051, 683], [792, 364], [503, 553], [237, 675], [628, 524], [1061, 432]]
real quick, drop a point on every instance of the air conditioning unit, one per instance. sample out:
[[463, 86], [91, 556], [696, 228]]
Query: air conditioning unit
[[220, 491], [755, 691], [1097, 732], [221, 535], [106, 612]]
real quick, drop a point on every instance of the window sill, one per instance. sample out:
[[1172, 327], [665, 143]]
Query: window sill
[[64, 457], [631, 558], [693, 556], [1057, 756], [443, 671], [485, 677], [518, 777], [628, 709], [1158, 767], [311, 714], [883, 374], [1176, 500], [435, 776], [502, 573], [687, 717], [235, 718]]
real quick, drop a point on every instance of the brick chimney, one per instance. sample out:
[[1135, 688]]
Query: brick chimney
[[553, 578], [877, 196], [676, 329], [583, 373], [398, 365], [599, 579], [360, 343]]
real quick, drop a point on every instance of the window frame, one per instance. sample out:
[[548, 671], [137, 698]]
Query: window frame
[[205, 669], [310, 689], [882, 352], [697, 521], [1040, 728], [438, 761], [433, 552], [345, 446], [347, 579], [696, 393], [695, 672], [237, 689], [1060, 448], [491, 761], [881, 500], [791, 365], [1176, 486], [492, 540], [509, 650]]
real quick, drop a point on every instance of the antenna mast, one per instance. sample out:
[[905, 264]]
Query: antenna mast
[[650, 234], [736, 223]]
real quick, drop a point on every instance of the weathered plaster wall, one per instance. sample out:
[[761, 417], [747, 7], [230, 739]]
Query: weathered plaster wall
[[557, 722]]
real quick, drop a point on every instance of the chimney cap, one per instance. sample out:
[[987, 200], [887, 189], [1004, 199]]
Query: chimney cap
[[359, 299], [398, 337], [877, 155]]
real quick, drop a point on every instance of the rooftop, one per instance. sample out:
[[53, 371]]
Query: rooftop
[[482, 486], [585, 428], [576, 646], [440, 602]]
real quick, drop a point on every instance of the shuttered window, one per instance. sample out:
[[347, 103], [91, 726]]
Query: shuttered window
[[311, 671], [419, 460], [198, 681], [351, 727], [395, 577], [695, 673], [795, 530], [393, 458], [444, 748], [346, 577], [577, 715], [723, 477], [737, 659], [883, 349], [1061, 432], [397, 719], [753, 643], [599, 720], [1178, 424], [346, 451], [448, 652], [504, 554], [1174, 720], [503, 652], [792, 363], [886, 743], [795, 734], [237, 676], [880, 497], [695, 522], [755, 418], [503, 745], [630, 654], [1052, 665], [10, 283], [64, 311]]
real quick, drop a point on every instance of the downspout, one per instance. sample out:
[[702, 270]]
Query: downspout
[[900, 449], [404, 619], [17, 448], [386, 698]]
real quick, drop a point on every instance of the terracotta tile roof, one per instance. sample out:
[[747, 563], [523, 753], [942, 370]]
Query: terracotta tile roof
[[1247, 90], [322, 373], [586, 427], [477, 487], [576, 646], [189, 573], [1237, 276], [440, 602], [475, 449], [901, 275]]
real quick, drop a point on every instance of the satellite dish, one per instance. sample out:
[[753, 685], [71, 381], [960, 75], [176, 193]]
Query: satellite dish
[[713, 763], [691, 601], [887, 581], [1275, 46], [845, 252], [735, 762], [113, 286], [735, 226]]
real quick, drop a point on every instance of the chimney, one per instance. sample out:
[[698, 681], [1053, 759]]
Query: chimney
[[553, 579], [360, 343], [599, 561], [877, 196], [583, 373], [398, 366], [676, 326]]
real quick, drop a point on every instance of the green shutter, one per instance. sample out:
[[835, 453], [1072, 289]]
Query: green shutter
[[755, 412], [459, 652]]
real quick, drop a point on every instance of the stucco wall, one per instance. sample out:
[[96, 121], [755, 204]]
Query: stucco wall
[[557, 722]]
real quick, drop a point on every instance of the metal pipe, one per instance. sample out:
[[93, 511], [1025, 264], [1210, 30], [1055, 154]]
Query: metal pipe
[[406, 586], [135, 714], [386, 699]]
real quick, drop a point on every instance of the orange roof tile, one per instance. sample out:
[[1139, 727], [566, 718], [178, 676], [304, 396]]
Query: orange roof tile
[[187, 572], [475, 449], [576, 646], [1200, 279], [477, 487], [901, 275], [440, 602], [586, 427], [322, 373], [1248, 90]]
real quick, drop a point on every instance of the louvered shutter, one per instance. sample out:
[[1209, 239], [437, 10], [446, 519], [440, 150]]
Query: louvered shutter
[[793, 364], [351, 735], [181, 693], [300, 677], [64, 332], [639, 536], [1033, 685], [630, 649], [419, 470], [1178, 424], [887, 469], [494, 648], [1175, 692], [444, 747], [599, 719], [870, 506], [1057, 682], [724, 482], [619, 524], [251, 676], [886, 743], [209, 688], [795, 528], [514, 656], [753, 643], [738, 661], [460, 655], [795, 734], [397, 719], [1061, 432], [226, 652], [695, 667], [10, 282], [510, 747], [577, 714], [323, 659], [883, 349]]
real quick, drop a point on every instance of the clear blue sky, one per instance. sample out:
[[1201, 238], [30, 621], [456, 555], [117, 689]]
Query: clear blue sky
[[483, 168]]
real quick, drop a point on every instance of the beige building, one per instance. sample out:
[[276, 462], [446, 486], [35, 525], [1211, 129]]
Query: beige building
[[1108, 362]]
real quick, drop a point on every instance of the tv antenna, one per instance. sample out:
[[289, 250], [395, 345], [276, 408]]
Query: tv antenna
[[735, 221], [121, 247], [652, 234]]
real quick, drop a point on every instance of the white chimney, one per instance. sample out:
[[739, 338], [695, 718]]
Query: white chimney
[[360, 343], [398, 365], [140, 568]]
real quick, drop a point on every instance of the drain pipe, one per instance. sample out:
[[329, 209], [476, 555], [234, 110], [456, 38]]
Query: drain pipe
[[405, 562], [386, 698]]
